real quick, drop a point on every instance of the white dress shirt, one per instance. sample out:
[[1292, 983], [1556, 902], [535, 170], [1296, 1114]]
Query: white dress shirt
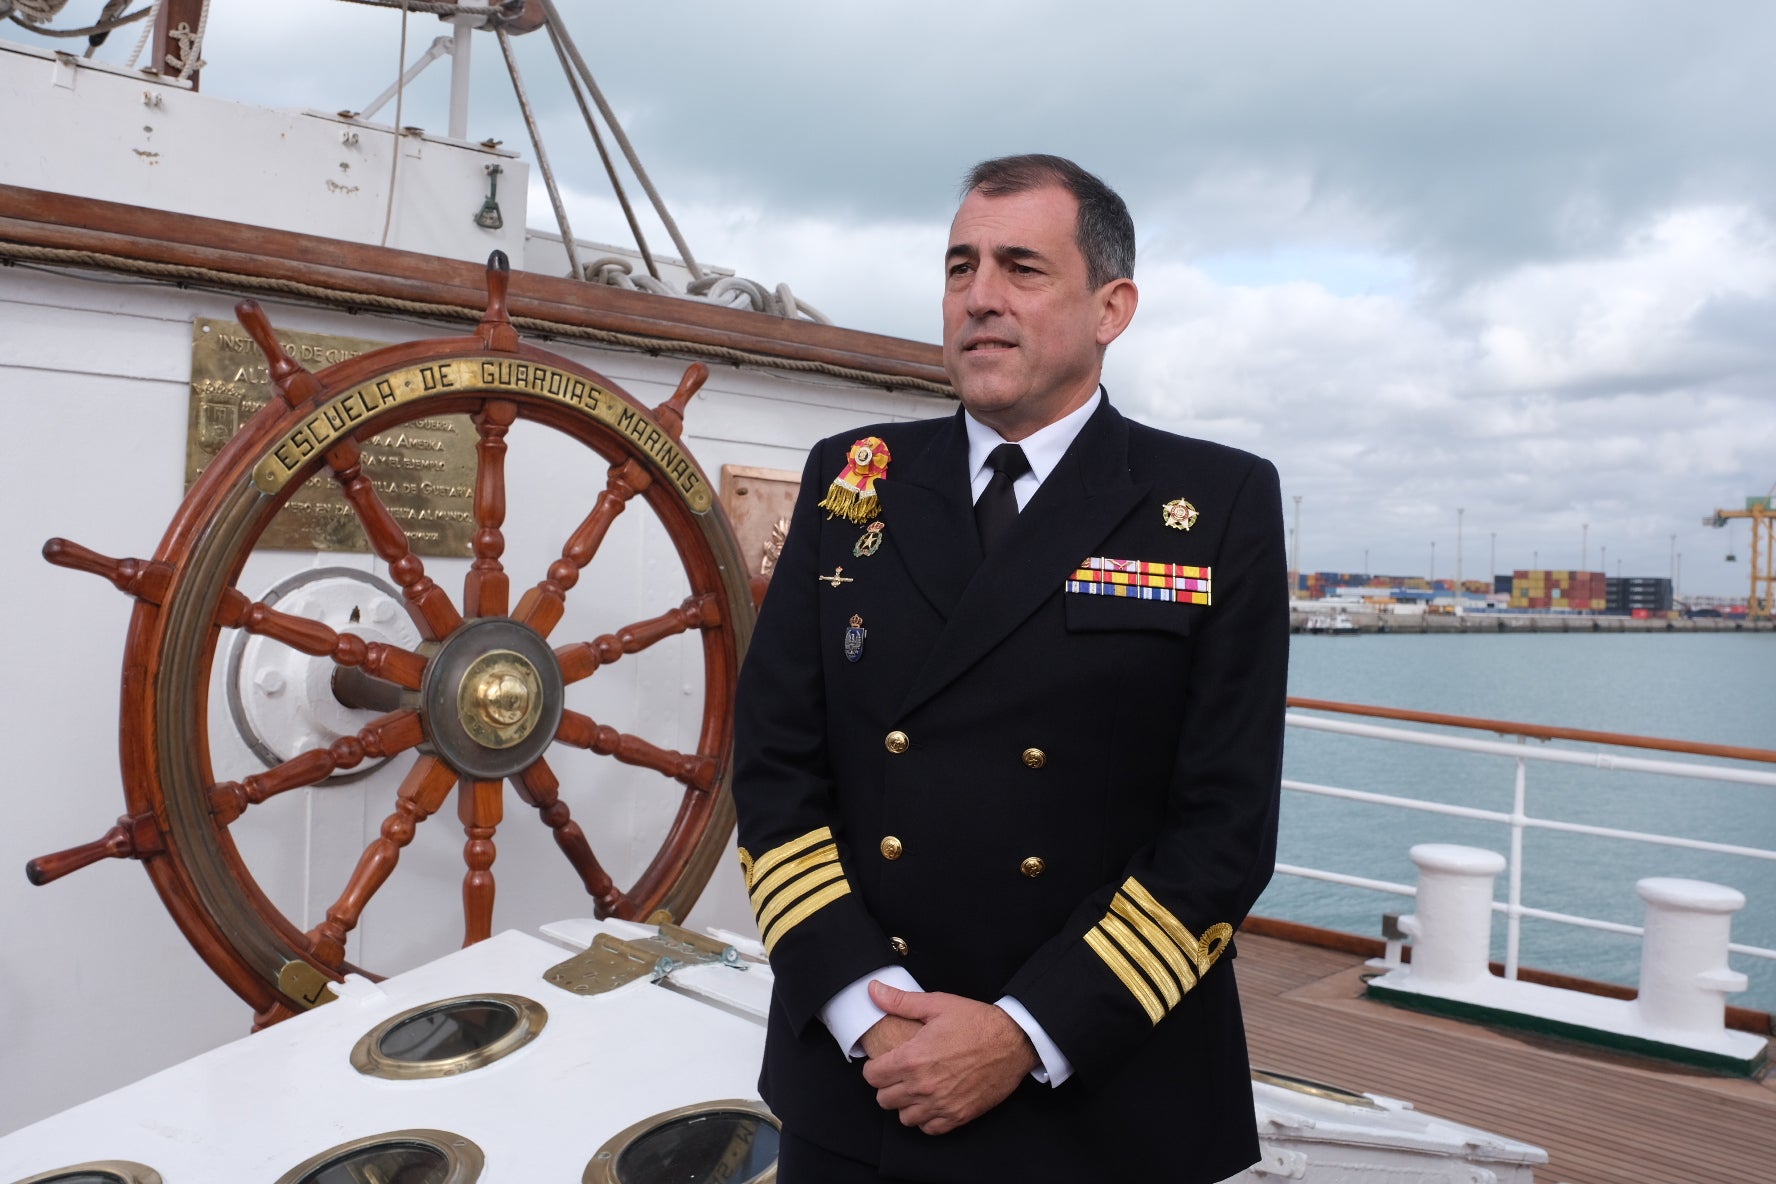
[[851, 1012]]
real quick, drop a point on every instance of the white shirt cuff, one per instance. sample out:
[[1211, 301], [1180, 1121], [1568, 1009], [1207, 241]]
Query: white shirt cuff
[[851, 1012], [1055, 1067]]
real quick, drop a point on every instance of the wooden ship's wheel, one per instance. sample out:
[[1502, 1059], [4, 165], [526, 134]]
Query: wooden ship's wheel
[[476, 704]]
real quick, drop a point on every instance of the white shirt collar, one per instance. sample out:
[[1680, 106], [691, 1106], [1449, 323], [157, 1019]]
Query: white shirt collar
[[1043, 448]]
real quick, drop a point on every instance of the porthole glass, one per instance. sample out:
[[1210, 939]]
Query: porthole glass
[[396, 1157], [733, 1141], [408, 1163], [448, 1037], [446, 1033]]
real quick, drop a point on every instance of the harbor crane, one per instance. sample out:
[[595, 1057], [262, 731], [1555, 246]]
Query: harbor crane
[[1763, 549]]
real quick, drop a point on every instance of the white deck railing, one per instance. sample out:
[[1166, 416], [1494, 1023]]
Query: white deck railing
[[1519, 819]]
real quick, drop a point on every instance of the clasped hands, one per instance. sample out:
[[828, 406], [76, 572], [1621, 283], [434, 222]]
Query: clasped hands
[[942, 1060]]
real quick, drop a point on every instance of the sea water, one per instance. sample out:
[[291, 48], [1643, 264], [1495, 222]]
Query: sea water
[[1711, 687]]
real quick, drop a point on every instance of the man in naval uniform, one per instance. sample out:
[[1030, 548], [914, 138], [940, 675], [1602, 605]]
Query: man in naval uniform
[[1008, 747]]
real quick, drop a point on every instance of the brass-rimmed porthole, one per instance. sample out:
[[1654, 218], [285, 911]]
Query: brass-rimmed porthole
[[1316, 1089], [412, 1157], [734, 1140], [449, 1037], [99, 1171]]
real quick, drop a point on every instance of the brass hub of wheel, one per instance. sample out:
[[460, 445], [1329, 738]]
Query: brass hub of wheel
[[500, 699], [492, 698]]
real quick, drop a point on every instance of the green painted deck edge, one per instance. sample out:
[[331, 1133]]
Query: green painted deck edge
[[1455, 1009]]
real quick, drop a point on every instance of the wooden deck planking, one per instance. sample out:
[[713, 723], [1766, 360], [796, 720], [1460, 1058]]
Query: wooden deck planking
[[1604, 1118]]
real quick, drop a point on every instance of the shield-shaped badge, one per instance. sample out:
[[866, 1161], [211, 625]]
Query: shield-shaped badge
[[854, 639]]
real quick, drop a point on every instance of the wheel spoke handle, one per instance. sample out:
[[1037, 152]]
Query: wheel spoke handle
[[670, 414], [378, 659], [479, 805], [381, 737], [541, 607], [581, 659], [426, 786], [294, 381], [145, 579], [437, 617], [134, 837], [538, 787], [486, 589], [696, 771]]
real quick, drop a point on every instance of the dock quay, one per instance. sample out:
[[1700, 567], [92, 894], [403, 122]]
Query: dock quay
[[1387, 619]]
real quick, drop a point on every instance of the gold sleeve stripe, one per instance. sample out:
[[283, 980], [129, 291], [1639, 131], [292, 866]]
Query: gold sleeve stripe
[[1134, 947], [1157, 938], [765, 888], [823, 874], [1131, 978], [761, 867], [746, 867], [807, 908], [1204, 952]]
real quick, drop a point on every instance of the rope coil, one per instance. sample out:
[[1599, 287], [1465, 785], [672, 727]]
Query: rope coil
[[235, 282]]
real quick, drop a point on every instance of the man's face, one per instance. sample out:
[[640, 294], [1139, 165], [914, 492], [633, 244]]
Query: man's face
[[1023, 329]]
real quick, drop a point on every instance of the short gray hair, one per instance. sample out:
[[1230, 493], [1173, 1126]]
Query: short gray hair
[[1105, 232]]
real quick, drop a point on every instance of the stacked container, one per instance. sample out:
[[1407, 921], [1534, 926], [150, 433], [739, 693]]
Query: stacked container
[[1574, 591]]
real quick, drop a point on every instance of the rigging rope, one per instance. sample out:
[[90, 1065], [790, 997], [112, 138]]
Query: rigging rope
[[610, 167], [388, 213], [508, 8], [142, 41], [234, 282], [610, 117], [36, 11], [536, 140]]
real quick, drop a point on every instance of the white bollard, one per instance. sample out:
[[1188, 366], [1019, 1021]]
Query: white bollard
[[1451, 925], [1684, 976]]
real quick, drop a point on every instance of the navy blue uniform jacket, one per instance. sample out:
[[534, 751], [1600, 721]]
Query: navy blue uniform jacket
[[1125, 751]]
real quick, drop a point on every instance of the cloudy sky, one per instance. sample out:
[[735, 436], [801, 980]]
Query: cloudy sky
[[1516, 259]]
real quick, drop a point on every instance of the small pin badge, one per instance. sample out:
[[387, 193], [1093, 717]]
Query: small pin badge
[[870, 541], [854, 639], [1179, 514], [836, 578]]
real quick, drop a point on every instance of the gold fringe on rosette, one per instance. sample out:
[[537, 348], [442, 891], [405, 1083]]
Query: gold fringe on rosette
[[852, 495]]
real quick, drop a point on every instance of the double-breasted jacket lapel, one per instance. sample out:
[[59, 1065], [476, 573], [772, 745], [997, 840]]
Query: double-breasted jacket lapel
[[927, 499], [1081, 502]]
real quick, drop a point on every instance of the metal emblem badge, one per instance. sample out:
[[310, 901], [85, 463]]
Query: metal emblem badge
[[870, 541], [836, 578], [854, 639], [1179, 514]]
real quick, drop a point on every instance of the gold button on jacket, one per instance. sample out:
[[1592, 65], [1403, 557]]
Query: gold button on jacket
[[1032, 866], [896, 742], [898, 945], [1035, 757], [891, 847]]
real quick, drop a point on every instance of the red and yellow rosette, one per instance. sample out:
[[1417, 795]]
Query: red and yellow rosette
[[852, 495]]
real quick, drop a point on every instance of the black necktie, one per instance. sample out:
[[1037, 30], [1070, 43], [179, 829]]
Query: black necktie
[[997, 508]]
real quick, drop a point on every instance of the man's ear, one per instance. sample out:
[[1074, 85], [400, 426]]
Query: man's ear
[[1116, 308]]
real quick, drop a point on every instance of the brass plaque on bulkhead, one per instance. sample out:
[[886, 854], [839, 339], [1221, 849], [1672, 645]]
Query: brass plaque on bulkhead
[[424, 470]]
